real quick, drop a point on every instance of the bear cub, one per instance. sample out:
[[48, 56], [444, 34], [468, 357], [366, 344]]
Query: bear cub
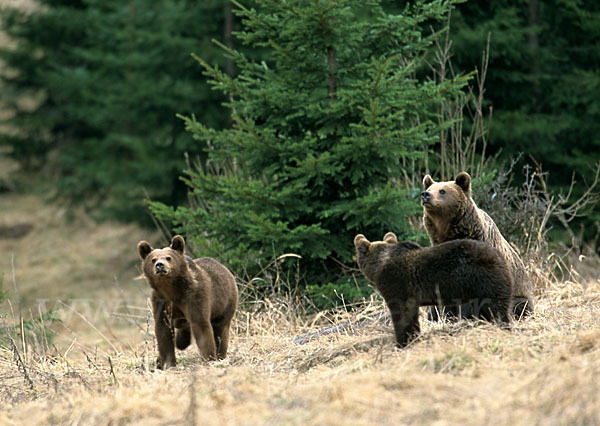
[[408, 276], [196, 297]]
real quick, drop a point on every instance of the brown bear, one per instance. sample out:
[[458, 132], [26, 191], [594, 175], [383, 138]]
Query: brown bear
[[408, 276], [196, 297], [449, 213]]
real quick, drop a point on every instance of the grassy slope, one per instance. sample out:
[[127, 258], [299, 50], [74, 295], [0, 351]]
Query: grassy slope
[[545, 370]]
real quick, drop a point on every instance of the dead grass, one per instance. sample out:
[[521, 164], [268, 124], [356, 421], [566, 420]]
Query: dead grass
[[545, 370], [99, 370], [65, 256]]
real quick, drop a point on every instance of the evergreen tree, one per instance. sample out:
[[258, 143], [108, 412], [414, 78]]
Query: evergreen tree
[[109, 78], [543, 78], [323, 129], [542, 83]]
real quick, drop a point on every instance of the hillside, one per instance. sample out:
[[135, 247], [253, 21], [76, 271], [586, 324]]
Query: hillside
[[99, 369]]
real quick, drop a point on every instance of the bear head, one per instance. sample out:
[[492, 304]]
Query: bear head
[[370, 256], [165, 263], [446, 199]]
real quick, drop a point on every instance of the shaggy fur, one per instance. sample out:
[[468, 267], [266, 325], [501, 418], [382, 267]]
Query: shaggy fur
[[408, 276], [449, 213], [196, 297]]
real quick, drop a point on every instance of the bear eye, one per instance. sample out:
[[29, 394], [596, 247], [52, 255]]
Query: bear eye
[[168, 258], [154, 260], [442, 191]]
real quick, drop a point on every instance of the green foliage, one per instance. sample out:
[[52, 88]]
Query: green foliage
[[338, 293], [542, 83], [102, 83], [322, 130]]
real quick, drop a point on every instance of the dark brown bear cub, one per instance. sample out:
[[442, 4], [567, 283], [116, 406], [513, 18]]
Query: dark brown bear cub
[[196, 297], [408, 276]]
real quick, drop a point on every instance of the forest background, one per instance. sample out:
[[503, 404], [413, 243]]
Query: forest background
[[269, 133], [296, 125]]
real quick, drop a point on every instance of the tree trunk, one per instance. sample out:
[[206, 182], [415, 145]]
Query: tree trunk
[[332, 68], [534, 45], [228, 30]]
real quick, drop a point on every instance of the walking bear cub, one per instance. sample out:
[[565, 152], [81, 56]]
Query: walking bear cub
[[450, 213], [408, 276], [196, 297]]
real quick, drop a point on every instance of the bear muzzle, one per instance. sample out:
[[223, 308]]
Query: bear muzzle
[[159, 268], [425, 197]]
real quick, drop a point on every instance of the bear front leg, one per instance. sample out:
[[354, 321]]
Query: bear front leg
[[198, 315], [203, 333], [405, 318], [163, 332]]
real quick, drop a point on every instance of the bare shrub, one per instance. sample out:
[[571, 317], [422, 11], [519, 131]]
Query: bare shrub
[[524, 212]]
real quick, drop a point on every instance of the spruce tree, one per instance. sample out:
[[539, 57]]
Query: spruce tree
[[109, 78], [322, 132], [542, 80]]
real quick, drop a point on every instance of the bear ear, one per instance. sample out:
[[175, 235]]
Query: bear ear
[[178, 243], [390, 238], [464, 181], [360, 239], [144, 249], [427, 181]]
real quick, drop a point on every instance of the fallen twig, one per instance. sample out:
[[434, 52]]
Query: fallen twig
[[112, 371]]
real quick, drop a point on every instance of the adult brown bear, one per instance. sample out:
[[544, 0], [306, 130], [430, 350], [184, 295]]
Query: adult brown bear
[[196, 297], [449, 213], [408, 276]]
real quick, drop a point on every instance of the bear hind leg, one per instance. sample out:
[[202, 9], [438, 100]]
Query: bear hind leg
[[183, 337], [496, 310], [221, 333], [450, 313], [522, 307]]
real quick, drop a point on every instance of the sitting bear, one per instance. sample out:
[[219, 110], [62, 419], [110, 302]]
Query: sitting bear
[[449, 213], [196, 297], [408, 276]]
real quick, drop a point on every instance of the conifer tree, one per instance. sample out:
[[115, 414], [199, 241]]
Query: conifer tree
[[323, 130], [542, 81], [109, 78]]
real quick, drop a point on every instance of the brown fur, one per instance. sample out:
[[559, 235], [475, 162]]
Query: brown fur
[[196, 297], [408, 276], [449, 213]]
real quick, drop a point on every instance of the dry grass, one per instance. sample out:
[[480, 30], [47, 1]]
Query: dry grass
[[545, 370], [61, 256], [99, 370]]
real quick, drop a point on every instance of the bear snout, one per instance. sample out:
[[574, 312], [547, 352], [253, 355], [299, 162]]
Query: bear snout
[[159, 268], [425, 197]]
